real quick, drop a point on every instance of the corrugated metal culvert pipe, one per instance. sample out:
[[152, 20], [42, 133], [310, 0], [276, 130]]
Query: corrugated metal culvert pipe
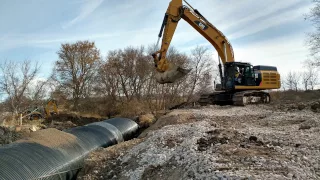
[[54, 154]]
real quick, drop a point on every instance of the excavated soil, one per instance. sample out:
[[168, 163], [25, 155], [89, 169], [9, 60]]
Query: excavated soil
[[50, 138], [65, 121], [252, 142]]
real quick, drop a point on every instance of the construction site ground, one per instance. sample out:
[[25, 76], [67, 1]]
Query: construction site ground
[[218, 142]]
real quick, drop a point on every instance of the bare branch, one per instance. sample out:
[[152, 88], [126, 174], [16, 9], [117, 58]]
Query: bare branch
[[15, 81]]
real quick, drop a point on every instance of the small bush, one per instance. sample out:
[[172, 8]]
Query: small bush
[[294, 96], [133, 108], [146, 120], [8, 136]]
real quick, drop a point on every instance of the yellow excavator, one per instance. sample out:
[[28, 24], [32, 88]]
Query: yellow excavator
[[241, 83], [51, 108]]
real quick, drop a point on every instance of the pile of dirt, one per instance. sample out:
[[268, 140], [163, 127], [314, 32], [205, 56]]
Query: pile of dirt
[[61, 125], [50, 138], [293, 106], [252, 142], [175, 117], [106, 158], [64, 121]]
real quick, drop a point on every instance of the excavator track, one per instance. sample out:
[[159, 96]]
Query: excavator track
[[250, 97], [205, 99], [240, 98]]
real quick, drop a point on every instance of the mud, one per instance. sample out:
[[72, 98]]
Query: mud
[[65, 121]]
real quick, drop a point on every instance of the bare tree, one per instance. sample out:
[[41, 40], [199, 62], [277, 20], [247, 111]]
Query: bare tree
[[37, 91], [200, 64], [283, 84], [128, 75], [310, 75], [292, 81], [108, 81], [76, 67], [314, 78], [15, 79], [313, 40], [296, 81], [305, 80]]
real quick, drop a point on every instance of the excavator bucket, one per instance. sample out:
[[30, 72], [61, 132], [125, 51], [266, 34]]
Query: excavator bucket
[[172, 74]]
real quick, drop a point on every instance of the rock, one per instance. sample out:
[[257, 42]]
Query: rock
[[34, 128], [301, 106], [253, 138], [308, 124], [304, 126], [315, 106]]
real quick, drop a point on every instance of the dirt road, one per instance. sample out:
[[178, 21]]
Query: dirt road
[[253, 142]]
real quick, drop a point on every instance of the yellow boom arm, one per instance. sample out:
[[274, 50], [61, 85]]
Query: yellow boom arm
[[51, 105], [174, 13]]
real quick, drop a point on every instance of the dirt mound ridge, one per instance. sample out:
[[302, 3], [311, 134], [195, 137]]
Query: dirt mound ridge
[[51, 138]]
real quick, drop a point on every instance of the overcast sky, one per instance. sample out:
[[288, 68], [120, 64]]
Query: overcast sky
[[266, 32]]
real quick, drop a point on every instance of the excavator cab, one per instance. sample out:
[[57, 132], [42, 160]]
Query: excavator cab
[[238, 74]]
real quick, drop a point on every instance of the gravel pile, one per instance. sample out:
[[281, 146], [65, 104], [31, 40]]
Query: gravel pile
[[253, 142]]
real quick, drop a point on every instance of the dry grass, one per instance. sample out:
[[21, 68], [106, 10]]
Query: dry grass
[[133, 108], [8, 135], [293, 96], [146, 120]]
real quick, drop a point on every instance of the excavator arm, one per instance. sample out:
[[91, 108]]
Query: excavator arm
[[168, 72], [51, 105]]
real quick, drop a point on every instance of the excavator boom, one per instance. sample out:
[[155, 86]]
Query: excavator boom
[[167, 72]]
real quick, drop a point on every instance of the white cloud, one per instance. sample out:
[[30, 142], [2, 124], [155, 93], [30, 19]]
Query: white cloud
[[86, 9], [278, 19], [285, 52]]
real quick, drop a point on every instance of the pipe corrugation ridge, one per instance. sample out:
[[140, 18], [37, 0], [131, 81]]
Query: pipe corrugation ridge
[[29, 160], [127, 129]]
